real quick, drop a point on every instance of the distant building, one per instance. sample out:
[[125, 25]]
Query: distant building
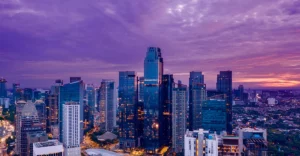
[[127, 110], [107, 107], [272, 101], [179, 102], [74, 92], [91, 100], [15, 86], [75, 79], [214, 115], [48, 148], [3, 91], [224, 84], [28, 94], [197, 96], [71, 128]]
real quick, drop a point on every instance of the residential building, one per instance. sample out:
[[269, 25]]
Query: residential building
[[71, 128]]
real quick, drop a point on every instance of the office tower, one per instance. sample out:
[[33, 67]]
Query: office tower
[[141, 89], [41, 109], [19, 107], [91, 100], [55, 88], [197, 95], [71, 128], [71, 92], [3, 91], [127, 111], [107, 105], [48, 148], [153, 71], [29, 122], [75, 79], [51, 111], [200, 143], [179, 102], [28, 94], [224, 84], [214, 115], [33, 137], [165, 110]]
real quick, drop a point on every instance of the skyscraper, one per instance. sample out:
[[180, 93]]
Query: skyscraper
[[127, 111], [153, 71], [107, 108], [3, 91], [71, 128], [19, 107], [75, 79], [166, 110], [224, 84], [179, 102], [214, 115], [41, 109], [197, 95], [71, 92], [29, 123], [15, 86], [52, 111], [241, 92], [28, 94], [91, 100]]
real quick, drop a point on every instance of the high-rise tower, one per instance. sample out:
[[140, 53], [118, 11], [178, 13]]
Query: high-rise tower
[[153, 72], [127, 111], [224, 85], [197, 96]]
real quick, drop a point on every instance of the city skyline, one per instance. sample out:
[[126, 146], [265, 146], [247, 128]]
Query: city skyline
[[257, 40]]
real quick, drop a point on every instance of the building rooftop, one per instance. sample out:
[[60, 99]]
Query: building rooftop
[[47, 143]]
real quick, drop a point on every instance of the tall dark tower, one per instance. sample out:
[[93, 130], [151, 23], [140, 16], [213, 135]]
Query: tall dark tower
[[224, 84], [197, 95], [153, 72], [166, 110], [127, 110], [3, 92]]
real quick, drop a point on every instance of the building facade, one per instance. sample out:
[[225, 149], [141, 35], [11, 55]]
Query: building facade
[[106, 106], [224, 84], [153, 72], [71, 128], [71, 92], [3, 91], [179, 102], [214, 115], [197, 96], [127, 110]]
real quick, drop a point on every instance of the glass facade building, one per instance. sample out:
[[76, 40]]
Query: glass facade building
[[153, 72], [71, 92], [107, 107], [166, 113], [91, 101], [127, 111], [197, 95], [214, 115], [224, 84]]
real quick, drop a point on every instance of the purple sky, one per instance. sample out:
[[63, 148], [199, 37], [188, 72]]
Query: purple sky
[[259, 40]]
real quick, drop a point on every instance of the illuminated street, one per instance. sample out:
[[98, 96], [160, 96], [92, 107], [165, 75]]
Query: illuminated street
[[6, 130]]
